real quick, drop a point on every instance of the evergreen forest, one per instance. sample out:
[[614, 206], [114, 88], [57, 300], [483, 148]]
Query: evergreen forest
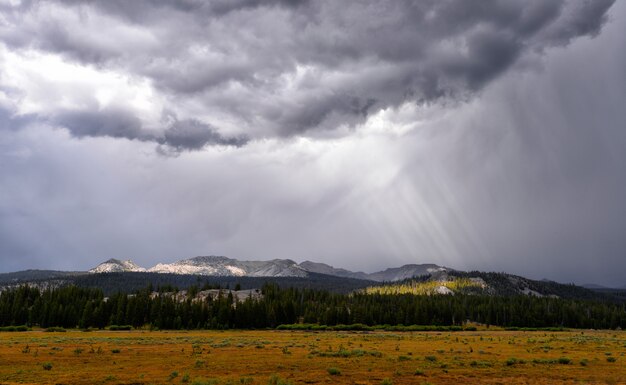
[[78, 307]]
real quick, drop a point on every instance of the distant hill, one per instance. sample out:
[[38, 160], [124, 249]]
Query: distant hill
[[129, 282], [323, 268], [33, 275], [116, 266], [492, 284], [223, 266], [115, 275]]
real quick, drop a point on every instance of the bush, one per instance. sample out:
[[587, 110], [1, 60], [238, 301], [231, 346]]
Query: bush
[[353, 327], [20, 328], [47, 366], [115, 351], [611, 359], [333, 371], [120, 327], [481, 364], [386, 381], [430, 358], [513, 361], [564, 361]]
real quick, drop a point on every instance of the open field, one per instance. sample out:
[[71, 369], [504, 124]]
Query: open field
[[280, 357]]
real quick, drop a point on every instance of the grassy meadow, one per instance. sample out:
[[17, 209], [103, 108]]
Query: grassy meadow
[[297, 357]]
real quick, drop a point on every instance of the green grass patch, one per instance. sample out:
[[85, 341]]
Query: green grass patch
[[333, 371]]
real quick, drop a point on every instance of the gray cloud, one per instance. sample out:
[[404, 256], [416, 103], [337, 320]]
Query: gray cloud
[[195, 135], [10, 122], [114, 123], [293, 67], [178, 136]]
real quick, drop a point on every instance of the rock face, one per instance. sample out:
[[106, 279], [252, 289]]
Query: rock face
[[116, 266], [223, 266]]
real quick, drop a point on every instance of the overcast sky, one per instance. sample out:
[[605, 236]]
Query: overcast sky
[[483, 135]]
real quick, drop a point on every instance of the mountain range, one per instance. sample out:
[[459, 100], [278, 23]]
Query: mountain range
[[223, 266], [217, 271]]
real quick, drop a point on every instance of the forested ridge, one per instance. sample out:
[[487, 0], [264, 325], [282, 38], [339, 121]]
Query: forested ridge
[[491, 284], [73, 306], [130, 282]]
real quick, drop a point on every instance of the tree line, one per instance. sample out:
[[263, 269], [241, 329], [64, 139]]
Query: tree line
[[72, 307]]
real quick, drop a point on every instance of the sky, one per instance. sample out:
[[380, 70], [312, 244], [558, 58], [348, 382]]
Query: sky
[[366, 134]]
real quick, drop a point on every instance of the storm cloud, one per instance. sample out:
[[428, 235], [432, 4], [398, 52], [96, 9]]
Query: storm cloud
[[283, 68], [477, 135], [177, 136]]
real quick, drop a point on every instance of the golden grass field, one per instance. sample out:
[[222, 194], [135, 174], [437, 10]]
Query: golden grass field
[[282, 357]]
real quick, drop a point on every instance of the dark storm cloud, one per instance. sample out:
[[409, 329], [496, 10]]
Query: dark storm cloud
[[183, 135], [291, 67], [114, 123], [194, 135]]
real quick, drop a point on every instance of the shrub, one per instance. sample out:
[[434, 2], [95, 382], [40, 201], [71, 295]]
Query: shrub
[[386, 381], [20, 328], [513, 361], [115, 351], [173, 375], [120, 327], [333, 371], [430, 358], [544, 361], [564, 361], [47, 366], [481, 364], [611, 359]]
